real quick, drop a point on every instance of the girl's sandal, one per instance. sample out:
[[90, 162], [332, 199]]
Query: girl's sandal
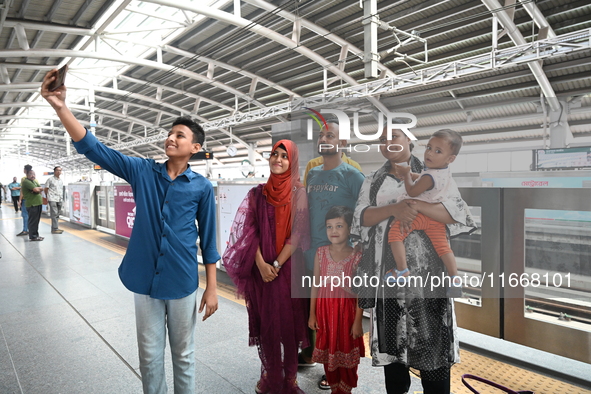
[[323, 383], [257, 388]]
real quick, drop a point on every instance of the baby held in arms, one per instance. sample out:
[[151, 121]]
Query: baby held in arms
[[431, 186]]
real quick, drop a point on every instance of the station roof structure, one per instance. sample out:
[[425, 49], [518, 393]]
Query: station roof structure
[[239, 66]]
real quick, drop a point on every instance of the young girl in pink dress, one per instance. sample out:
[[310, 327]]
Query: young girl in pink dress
[[333, 307]]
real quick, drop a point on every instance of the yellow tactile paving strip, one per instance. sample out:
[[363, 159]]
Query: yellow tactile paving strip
[[510, 376], [90, 235], [505, 374]]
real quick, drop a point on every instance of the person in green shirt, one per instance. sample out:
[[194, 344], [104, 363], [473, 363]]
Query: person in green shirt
[[22, 204], [31, 190]]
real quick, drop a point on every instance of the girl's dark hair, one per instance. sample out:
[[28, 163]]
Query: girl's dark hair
[[340, 211]]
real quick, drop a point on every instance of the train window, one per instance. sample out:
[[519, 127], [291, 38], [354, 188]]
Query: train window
[[467, 250], [557, 276]]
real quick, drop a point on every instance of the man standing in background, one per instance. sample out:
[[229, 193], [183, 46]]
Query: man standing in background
[[15, 192], [54, 190], [31, 191], [23, 204]]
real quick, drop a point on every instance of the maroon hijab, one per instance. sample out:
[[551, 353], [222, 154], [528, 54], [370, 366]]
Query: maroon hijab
[[279, 191]]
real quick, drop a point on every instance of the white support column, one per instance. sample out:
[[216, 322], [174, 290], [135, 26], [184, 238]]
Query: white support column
[[495, 32], [253, 86], [237, 8], [371, 21], [159, 54], [91, 102], [210, 69], [4, 75], [297, 30], [560, 134], [21, 37], [196, 105]]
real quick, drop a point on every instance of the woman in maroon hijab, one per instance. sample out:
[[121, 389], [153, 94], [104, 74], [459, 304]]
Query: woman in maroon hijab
[[269, 233]]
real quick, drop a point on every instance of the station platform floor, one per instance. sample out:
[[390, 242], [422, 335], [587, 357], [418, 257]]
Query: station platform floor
[[67, 326]]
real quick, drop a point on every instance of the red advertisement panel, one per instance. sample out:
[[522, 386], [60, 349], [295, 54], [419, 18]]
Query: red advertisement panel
[[124, 210]]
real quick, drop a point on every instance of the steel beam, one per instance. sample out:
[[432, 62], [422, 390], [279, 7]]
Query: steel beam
[[11, 53], [4, 7], [517, 38], [54, 7], [227, 66], [23, 9], [539, 18], [268, 33], [321, 31], [141, 11], [81, 11]]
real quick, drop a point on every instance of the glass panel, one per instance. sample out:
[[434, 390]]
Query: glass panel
[[467, 249], [66, 204], [102, 205], [111, 206], [558, 267]]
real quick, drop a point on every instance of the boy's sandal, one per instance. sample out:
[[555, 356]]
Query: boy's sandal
[[323, 383]]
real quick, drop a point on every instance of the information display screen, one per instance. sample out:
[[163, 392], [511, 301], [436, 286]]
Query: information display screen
[[564, 159]]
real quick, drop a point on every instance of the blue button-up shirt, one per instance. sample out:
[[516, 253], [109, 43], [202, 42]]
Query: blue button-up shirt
[[161, 258]]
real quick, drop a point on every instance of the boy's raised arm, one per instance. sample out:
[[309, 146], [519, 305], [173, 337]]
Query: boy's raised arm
[[57, 99]]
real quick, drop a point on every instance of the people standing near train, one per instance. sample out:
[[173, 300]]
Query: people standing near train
[[410, 326], [160, 265], [23, 204], [31, 190], [266, 242], [15, 192], [332, 183], [54, 190]]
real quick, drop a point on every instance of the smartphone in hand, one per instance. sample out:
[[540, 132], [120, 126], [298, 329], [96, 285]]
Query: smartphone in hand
[[60, 80]]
